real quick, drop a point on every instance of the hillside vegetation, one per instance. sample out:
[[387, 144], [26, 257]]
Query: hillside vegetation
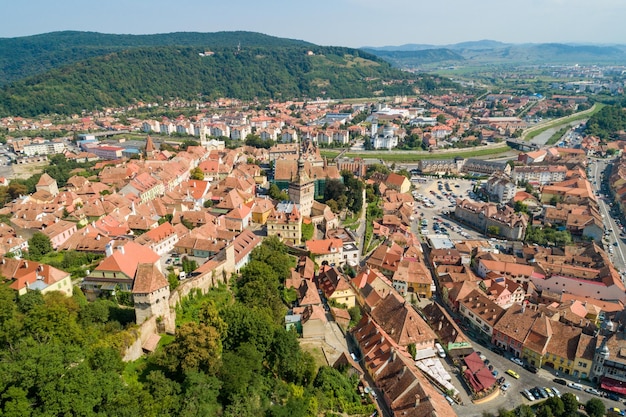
[[31, 55]]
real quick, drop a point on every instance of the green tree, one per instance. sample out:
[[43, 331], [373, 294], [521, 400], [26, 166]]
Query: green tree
[[197, 347], [570, 404], [196, 174], [493, 230], [39, 245], [275, 193], [595, 408], [556, 405], [307, 231]]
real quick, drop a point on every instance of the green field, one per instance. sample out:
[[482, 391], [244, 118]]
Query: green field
[[412, 157]]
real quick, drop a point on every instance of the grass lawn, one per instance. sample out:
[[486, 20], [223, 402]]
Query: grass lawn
[[393, 156]]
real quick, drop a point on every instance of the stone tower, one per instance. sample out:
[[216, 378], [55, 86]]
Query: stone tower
[[302, 190], [151, 293]]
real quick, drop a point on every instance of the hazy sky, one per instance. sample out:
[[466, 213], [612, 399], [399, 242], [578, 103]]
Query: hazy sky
[[333, 22]]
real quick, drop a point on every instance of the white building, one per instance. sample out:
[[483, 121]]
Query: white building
[[500, 187], [385, 140]]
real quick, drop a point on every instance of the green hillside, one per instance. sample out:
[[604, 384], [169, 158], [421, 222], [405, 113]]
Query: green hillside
[[31, 55], [162, 73]]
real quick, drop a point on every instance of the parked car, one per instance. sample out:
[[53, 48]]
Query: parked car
[[559, 381], [575, 385], [532, 369], [501, 380], [505, 386], [517, 361], [556, 392], [528, 395], [593, 391], [549, 392], [612, 396]]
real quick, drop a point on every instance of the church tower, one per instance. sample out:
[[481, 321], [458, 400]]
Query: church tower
[[302, 190], [150, 148]]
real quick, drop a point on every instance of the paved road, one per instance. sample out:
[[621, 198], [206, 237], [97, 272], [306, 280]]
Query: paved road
[[513, 397], [618, 257]]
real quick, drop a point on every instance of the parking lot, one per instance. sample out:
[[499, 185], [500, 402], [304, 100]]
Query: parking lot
[[434, 198]]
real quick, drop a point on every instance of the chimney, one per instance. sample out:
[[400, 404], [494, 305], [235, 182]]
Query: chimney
[[98, 237], [417, 400], [121, 248], [108, 249]]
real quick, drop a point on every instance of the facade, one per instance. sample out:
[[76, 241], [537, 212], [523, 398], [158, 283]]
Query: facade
[[539, 174], [500, 187], [285, 222], [488, 218], [151, 293], [302, 190], [480, 312], [46, 148], [326, 250]]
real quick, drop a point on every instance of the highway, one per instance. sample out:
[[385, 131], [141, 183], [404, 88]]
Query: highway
[[618, 258]]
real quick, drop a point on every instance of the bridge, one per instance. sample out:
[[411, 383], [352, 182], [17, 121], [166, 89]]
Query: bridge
[[522, 145]]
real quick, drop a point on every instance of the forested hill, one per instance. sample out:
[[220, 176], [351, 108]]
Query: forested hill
[[162, 73], [31, 55]]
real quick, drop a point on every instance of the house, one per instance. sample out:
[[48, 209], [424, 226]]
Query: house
[[413, 277], [489, 218], [405, 390], [329, 251], [243, 245], [313, 321], [398, 182], [402, 323], [335, 286], [23, 275], [480, 312], [285, 222], [161, 239], [117, 270], [59, 232]]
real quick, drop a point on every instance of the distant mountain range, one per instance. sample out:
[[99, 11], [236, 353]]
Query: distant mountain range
[[494, 52]]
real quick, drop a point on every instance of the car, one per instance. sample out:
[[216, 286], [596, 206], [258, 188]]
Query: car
[[517, 361], [535, 392], [532, 369], [168, 261], [497, 350], [505, 386], [575, 385], [494, 372], [542, 392], [593, 391], [549, 392], [612, 396], [528, 395], [501, 380], [512, 373], [440, 351], [556, 392]]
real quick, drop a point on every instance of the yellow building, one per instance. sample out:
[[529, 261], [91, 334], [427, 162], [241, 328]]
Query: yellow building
[[285, 222], [336, 287]]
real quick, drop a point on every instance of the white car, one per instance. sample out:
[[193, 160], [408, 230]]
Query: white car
[[517, 361], [505, 386]]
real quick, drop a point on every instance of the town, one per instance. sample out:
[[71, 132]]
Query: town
[[486, 273]]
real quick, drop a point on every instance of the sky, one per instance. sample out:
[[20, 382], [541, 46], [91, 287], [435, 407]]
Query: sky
[[352, 23]]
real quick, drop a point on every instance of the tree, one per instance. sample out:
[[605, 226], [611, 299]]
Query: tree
[[493, 230], [570, 403], [276, 193], [196, 174], [307, 231], [595, 408], [334, 190], [39, 245], [441, 118], [197, 347]]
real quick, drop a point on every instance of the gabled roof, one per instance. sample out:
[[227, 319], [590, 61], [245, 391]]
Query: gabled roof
[[148, 279], [127, 258], [402, 322]]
